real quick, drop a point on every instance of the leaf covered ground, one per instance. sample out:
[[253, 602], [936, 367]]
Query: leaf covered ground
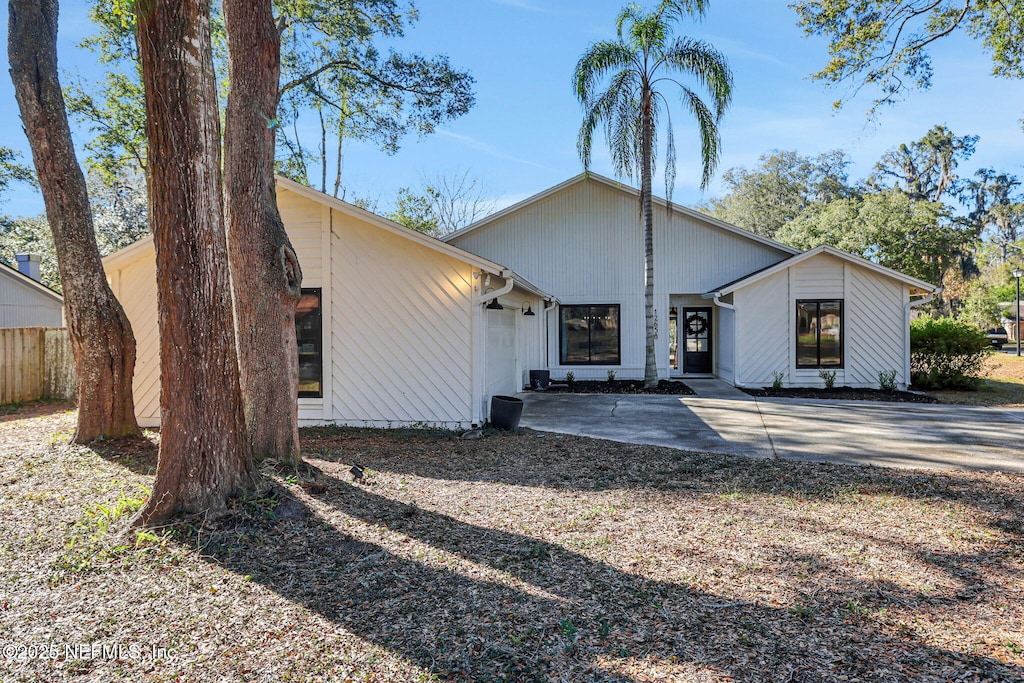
[[518, 557]]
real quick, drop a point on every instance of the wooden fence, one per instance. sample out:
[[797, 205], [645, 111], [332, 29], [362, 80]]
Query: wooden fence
[[36, 362]]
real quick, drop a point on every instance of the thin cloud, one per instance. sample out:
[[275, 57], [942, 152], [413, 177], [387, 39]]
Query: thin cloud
[[487, 149]]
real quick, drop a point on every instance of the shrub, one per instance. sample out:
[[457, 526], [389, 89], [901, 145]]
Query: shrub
[[611, 375], [570, 378], [946, 354], [777, 379], [887, 380], [828, 377]]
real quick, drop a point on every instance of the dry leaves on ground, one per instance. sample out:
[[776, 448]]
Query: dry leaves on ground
[[519, 557]]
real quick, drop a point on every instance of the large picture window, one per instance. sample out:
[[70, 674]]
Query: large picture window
[[819, 333], [309, 335], [590, 335]]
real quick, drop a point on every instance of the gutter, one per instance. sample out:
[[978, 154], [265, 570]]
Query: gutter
[[491, 296]]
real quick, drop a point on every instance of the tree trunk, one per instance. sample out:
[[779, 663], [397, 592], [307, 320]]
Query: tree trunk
[[101, 336], [651, 361], [204, 454], [265, 272]]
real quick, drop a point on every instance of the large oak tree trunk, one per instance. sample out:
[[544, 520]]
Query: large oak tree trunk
[[101, 336], [204, 455], [265, 272]]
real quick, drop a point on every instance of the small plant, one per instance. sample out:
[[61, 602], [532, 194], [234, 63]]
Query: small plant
[[887, 380], [570, 378], [611, 375], [828, 377], [777, 378], [568, 628]]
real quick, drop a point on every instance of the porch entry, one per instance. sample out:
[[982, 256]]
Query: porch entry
[[690, 340]]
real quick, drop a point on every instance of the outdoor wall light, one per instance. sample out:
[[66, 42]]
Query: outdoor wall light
[[529, 310], [493, 305]]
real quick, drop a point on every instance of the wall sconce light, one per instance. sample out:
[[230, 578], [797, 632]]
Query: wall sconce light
[[493, 305], [529, 310]]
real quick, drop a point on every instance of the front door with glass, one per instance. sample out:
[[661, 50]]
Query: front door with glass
[[695, 340]]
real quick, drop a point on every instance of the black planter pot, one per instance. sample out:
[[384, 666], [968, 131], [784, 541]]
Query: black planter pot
[[540, 380], [506, 411]]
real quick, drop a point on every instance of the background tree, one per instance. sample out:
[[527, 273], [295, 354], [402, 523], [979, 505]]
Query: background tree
[[924, 170], [101, 336], [11, 170], [779, 189], [996, 208], [447, 202], [885, 43], [204, 455], [617, 84], [265, 272], [333, 70]]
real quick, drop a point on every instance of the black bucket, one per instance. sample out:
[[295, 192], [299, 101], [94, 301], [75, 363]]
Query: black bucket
[[540, 380], [506, 412]]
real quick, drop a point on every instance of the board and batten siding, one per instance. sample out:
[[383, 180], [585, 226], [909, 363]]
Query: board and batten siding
[[584, 245], [401, 330], [874, 324], [23, 304]]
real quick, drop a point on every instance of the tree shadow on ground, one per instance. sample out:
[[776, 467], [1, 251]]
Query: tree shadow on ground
[[10, 412], [471, 602], [528, 458]]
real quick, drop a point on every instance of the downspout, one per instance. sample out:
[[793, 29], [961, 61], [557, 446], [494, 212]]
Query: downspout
[[547, 331], [906, 322], [735, 325]]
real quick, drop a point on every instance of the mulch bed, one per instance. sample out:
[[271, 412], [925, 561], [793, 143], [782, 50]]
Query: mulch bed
[[515, 557], [620, 386], [843, 394]]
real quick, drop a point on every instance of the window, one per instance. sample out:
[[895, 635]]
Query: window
[[590, 335], [819, 334], [309, 336]]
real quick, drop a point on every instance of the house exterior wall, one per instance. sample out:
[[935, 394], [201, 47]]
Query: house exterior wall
[[24, 305], [584, 245], [404, 339], [874, 329], [401, 330]]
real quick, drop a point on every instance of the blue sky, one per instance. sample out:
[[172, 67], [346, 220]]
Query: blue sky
[[520, 138]]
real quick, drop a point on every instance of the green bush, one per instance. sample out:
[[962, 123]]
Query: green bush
[[946, 354]]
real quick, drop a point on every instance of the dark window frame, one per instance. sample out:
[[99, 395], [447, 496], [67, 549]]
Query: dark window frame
[[842, 334], [618, 336], [318, 291]]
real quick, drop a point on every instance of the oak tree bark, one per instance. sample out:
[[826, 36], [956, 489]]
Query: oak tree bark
[[204, 456], [101, 336], [265, 273]]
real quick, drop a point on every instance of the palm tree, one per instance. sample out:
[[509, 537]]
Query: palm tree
[[617, 83]]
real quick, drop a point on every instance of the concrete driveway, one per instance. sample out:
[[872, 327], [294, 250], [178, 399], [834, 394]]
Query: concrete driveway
[[722, 419]]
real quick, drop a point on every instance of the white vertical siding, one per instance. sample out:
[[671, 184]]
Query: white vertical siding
[[24, 305], [726, 344], [584, 245], [401, 330]]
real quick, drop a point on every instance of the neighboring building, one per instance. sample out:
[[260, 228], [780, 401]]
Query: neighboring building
[[728, 303], [24, 302], [393, 327]]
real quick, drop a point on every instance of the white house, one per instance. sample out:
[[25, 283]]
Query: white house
[[728, 303], [24, 301], [394, 327]]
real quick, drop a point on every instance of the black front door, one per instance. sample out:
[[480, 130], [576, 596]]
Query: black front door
[[696, 328]]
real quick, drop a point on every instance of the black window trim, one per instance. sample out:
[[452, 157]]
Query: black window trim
[[561, 336], [320, 348], [842, 335]]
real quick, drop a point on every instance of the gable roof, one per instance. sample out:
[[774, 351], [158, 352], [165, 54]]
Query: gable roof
[[748, 280], [432, 243], [26, 280], [626, 189]]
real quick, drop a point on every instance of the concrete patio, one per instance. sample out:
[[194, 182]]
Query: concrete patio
[[722, 419]]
